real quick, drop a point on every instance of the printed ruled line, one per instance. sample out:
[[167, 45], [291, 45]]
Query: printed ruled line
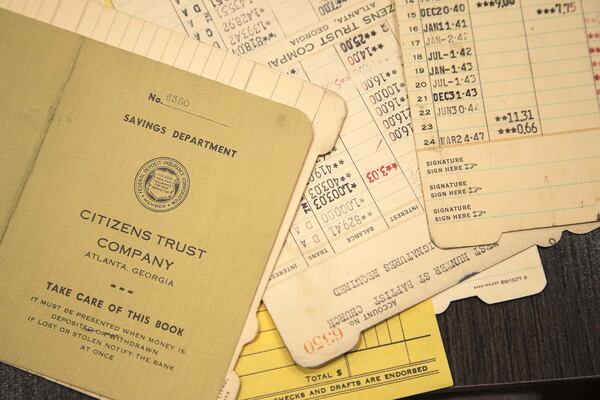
[[550, 46], [396, 367], [120, 42], [521, 137], [298, 246], [311, 233], [196, 115], [496, 39], [341, 142], [319, 224], [527, 189], [594, 206], [268, 330], [513, 65], [398, 190], [534, 17], [143, 10], [267, 370], [179, 18], [347, 365], [393, 343], [366, 107], [312, 7], [215, 26], [263, 351], [162, 53], [276, 19], [38, 9], [535, 94], [404, 336], [520, 165], [476, 56]]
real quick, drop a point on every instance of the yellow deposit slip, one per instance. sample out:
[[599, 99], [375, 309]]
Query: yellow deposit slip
[[399, 357]]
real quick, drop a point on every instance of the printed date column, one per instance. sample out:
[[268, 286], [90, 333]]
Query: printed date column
[[442, 73]]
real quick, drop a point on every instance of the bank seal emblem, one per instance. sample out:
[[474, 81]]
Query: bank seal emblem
[[162, 184]]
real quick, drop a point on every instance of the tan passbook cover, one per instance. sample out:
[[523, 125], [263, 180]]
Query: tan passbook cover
[[325, 109], [134, 234]]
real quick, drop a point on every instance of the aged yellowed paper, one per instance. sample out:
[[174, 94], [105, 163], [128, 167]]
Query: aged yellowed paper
[[505, 104], [361, 224], [141, 224]]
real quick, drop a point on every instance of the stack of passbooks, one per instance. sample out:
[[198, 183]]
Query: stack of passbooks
[[356, 165]]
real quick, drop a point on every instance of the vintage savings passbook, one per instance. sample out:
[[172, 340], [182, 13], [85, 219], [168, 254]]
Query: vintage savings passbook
[[144, 224], [325, 109]]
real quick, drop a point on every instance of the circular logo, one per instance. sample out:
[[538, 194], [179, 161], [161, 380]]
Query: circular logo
[[162, 184]]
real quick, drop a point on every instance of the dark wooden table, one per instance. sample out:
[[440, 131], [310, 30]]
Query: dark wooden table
[[540, 347]]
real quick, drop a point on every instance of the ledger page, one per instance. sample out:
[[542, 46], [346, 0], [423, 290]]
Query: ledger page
[[506, 113]]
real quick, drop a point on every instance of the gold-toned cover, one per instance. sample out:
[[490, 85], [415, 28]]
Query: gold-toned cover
[[134, 240]]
